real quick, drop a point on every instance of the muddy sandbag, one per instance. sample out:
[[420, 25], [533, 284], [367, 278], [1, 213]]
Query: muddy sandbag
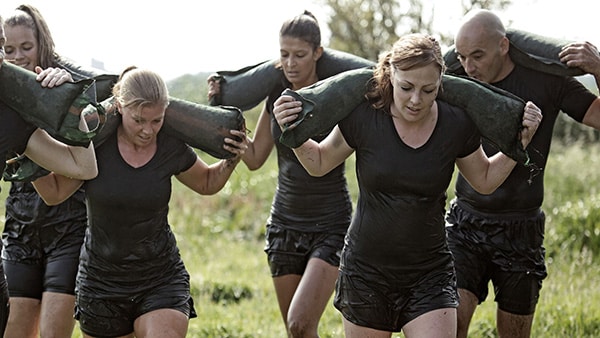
[[249, 86], [497, 114], [104, 81], [200, 126], [528, 50], [324, 104], [56, 110]]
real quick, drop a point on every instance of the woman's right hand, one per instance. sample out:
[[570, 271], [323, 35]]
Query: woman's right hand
[[286, 110], [52, 77]]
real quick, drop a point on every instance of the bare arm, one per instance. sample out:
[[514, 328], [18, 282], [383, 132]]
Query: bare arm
[[485, 174], [260, 146], [71, 161], [585, 56], [210, 179], [317, 158], [55, 189]]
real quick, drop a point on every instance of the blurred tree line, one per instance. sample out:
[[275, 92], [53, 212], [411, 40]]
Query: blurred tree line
[[368, 27]]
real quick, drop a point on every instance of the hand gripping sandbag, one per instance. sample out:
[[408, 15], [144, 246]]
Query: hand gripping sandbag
[[56, 110], [247, 87], [324, 104], [529, 50], [203, 127], [497, 114]]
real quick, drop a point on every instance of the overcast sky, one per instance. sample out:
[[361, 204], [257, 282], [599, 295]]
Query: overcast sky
[[177, 37]]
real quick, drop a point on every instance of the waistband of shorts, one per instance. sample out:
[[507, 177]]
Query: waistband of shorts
[[508, 215]]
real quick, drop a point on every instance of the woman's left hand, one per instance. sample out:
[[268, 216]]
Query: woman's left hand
[[237, 144], [286, 110], [52, 77]]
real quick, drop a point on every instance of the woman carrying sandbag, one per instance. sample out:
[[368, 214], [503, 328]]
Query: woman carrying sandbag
[[131, 279], [18, 137]]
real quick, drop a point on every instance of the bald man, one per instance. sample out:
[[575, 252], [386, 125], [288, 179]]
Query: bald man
[[499, 237]]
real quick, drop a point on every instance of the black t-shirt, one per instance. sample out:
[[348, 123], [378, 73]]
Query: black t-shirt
[[398, 226], [303, 202], [14, 134], [129, 237], [551, 94]]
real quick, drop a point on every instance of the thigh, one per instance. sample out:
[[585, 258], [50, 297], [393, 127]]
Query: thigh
[[437, 323], [165, 323], [314, 291]]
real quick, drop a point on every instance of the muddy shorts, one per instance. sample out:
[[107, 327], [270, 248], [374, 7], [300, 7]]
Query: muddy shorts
[[115, 317], [288, 251], [507, 251], [379, 303], [42, 259]]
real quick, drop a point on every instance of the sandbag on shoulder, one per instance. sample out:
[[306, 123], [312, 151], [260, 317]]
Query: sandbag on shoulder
[[203, 127], [104, 82], [528, 50], [497, 114], [56, 110], [324, 104], [249, 86], [200, 126]]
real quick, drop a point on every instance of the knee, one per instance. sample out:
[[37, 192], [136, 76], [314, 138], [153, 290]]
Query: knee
[[301, 327]]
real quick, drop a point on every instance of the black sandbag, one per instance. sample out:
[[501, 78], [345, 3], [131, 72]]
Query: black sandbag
[[56, 110], [528, 50], [249, 86], [497, 114]]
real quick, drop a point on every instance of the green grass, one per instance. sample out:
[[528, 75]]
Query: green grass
[[221, 241]]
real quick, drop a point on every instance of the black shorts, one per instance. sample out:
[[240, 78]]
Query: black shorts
[[378, 303], [115, 317], [288, 251], [38, 259], [508, 251]]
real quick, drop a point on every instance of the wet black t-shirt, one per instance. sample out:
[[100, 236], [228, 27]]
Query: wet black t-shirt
[[551, 94], [303, 202], [128, 237], [14, 134], [398, 226]]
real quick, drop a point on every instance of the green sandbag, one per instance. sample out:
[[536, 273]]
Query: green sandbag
[[324, 104], [104, 82], [497, 114], [528, 50], [249, 86], [56, 110], [201, 126]]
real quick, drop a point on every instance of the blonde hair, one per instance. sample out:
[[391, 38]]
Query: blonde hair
[[140, 87], [409, 52]]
